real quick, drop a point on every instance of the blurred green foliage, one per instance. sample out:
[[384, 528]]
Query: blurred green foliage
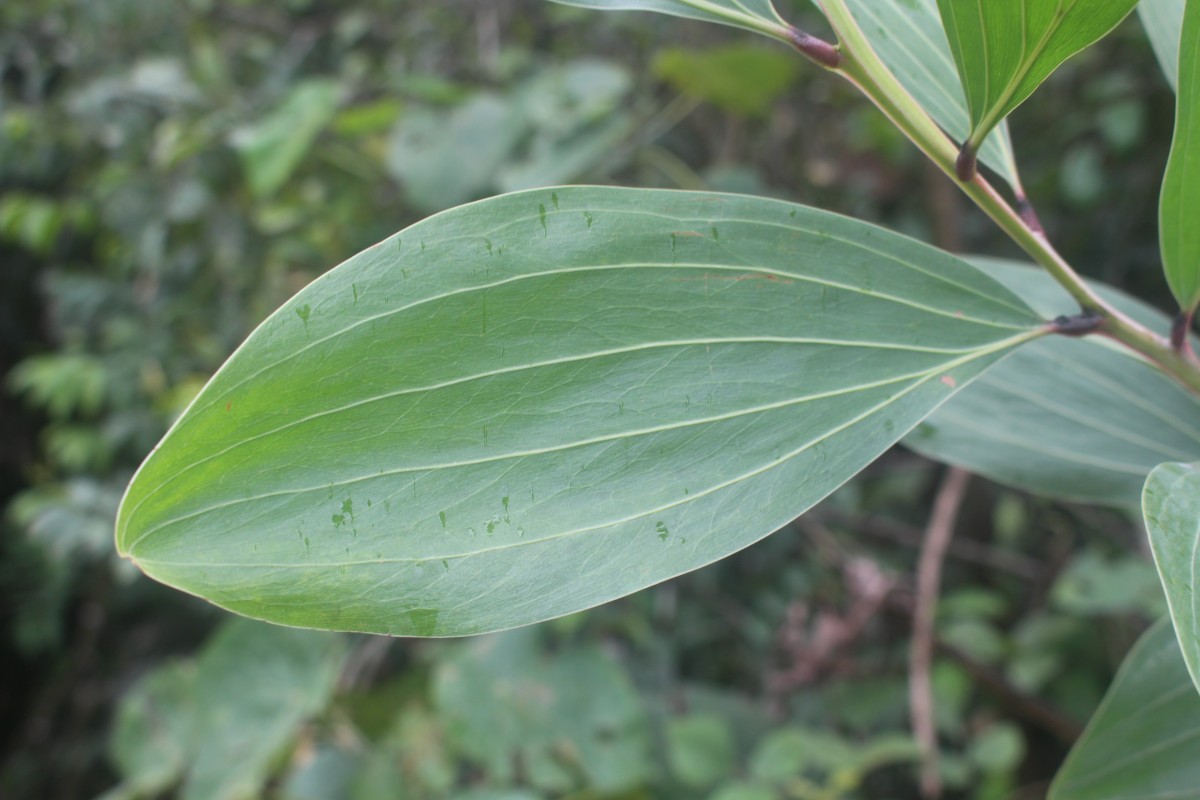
[[171, 172]]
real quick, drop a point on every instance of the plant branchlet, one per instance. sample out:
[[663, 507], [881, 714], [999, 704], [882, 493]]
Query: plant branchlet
[[964, 167], [1080, 324], [815, 49], [1028, 215], [1180, 329]]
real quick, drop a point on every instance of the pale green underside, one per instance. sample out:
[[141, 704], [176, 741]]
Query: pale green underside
[[537, 403], [754, 15], [1144, 741], [1163, 20], [1075, 419], [1172, 509]]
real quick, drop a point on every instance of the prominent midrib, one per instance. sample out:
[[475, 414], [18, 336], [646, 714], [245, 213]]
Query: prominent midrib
[[740, 268], [650, 431], [780, 461], [195, 412], [917, 378], [578, 358]]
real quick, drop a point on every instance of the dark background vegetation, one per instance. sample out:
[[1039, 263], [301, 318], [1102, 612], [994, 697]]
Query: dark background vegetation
[[172, 170]]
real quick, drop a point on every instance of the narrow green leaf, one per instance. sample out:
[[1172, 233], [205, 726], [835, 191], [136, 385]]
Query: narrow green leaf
[[534, 404], [754, 15], [1076, 419], [1163, 20], [1142, 742], [1004, 49], [1179, 206], [909, 39], [1171, 505]]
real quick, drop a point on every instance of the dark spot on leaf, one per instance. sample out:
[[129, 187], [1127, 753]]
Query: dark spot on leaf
[[423, 621]]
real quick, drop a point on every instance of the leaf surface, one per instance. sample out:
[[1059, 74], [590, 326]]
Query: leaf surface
[[1004, 49], [537, 403], [1143, 743], [1163, 20], [1171, 505], [1075, 419], [909, 39], [1179, 207], [754, 15]]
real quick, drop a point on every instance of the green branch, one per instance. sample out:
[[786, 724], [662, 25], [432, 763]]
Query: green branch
[[859, 64]]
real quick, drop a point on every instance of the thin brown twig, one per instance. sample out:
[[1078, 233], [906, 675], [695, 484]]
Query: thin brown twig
[[1030, 708], [964, 550], [929, 577]]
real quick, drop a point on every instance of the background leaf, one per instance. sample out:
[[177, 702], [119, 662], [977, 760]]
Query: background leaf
[[1180, 204], [1163, 20], [273, 147], [1172, 509], [739, 78], [221, 722], [1141, 744], [1005, 48], [909, 39], [573, 717], [1066, 418], [540, 402], [755, 15]]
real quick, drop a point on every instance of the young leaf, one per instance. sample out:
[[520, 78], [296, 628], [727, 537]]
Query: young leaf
[[754, 15], [1179, 235], [909, 39], [1171, 504], [1077, 419], [1141, 742], [533, 404], [1163, 20], [1005, 48]]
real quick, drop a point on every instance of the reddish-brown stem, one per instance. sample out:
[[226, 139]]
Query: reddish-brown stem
[[815, 49], [929, 578]]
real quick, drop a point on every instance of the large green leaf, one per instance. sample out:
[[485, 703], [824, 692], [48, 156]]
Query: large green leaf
[[1163, 20], [221, 723], [1004, 49], [1179, 206], [754, 15], [909, 38], [537, 403], [1144, 741], [1171, 505], [1077, 419]]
